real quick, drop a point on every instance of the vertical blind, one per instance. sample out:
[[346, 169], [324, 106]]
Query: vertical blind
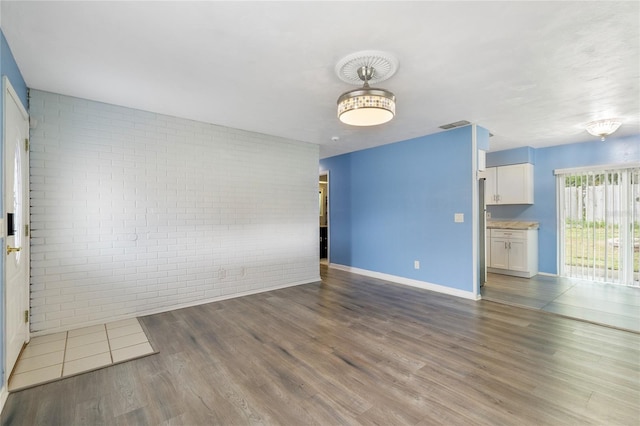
[[599, 224]]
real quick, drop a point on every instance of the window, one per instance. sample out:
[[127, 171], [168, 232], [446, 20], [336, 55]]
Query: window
[[599, 224]]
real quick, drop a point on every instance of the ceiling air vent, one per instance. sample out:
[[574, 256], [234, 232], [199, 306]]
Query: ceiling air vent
[[460, 123]]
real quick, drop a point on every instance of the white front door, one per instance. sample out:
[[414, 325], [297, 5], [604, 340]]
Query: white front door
[[16, 207]]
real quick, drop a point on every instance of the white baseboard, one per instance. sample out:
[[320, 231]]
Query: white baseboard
[[226, 297], [174, 307], [409, 282], [546, 274], [512, 273], [4, 394]]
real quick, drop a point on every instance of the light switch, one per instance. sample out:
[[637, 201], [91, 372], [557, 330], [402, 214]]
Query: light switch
[[458, 217]]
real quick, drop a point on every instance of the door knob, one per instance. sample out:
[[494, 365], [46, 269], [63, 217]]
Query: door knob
[[13, 249]]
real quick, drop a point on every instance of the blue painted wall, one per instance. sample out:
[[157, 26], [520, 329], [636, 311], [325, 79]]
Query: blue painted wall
[[520, 155], [483, 136], [544, 210], [394, 204], [8, 67]]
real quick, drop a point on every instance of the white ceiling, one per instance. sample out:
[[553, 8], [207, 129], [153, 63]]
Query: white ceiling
[[533, 73]]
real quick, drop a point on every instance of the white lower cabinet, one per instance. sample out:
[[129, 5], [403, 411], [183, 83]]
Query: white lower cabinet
[[513, 252]]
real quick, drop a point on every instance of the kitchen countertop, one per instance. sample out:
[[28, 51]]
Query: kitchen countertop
[[512, 224]]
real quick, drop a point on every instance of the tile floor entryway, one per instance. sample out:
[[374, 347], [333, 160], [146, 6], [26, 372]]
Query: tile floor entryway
[[60, 355], [611, 305]]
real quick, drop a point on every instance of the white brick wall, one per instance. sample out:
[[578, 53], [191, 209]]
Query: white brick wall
[[134, 212]]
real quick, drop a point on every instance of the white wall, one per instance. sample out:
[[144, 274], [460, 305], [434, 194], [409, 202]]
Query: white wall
[[135, 212]]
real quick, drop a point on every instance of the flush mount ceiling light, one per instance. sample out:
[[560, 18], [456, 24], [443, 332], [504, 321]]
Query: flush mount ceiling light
[[366, 106], [603, 128]]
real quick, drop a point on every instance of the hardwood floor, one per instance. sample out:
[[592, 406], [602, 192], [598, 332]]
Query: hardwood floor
[[354, 350], [606, 304]]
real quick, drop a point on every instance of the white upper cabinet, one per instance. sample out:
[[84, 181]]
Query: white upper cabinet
[[490, 185], [509, 184]]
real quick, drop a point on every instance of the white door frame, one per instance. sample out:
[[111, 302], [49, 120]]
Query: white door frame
[[326, 173], [10, 95]]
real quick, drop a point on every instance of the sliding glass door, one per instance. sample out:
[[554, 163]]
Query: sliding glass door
[[599, 224]]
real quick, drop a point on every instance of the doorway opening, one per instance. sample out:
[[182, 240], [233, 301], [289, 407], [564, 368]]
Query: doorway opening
[[323, 208]]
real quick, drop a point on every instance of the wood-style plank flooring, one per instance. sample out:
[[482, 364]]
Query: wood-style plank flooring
[[607, 304], [354, 350]]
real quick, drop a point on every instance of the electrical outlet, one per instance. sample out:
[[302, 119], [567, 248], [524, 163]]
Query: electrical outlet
[[416, 264], [488, 215]]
